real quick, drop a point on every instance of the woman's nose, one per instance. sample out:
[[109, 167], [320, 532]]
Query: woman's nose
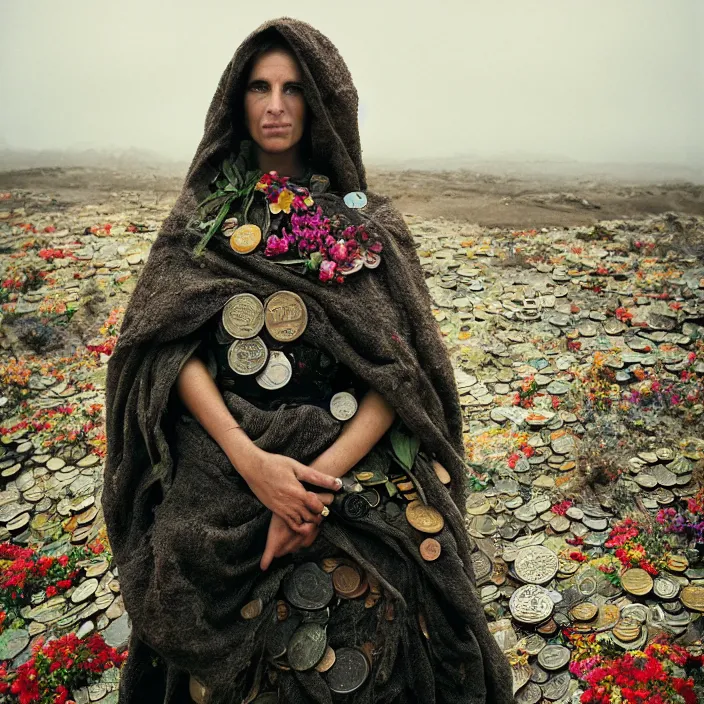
[[276, 105]]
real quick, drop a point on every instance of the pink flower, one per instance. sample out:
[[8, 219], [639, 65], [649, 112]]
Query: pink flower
[[327, 270], [275, 245]]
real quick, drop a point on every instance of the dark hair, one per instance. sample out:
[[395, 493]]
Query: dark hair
[[271, 40]]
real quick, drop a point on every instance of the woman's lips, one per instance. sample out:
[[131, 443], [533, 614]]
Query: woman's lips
[[276, 128]]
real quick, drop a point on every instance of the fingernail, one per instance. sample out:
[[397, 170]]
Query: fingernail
[[338, 481]]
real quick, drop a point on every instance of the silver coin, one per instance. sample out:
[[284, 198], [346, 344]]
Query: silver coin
[[553, 657], [247, 356], [277, 372], [243, 316], [343, 405], [308, 587], [530, 694], [536, 564], [557, 687], [665, 587], [531, 604], [349, 672], [307, 646]]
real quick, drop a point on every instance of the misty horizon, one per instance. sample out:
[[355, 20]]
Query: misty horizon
[[518, 80]]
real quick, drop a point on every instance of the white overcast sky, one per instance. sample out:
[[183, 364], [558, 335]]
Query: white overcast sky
[[595, 81]]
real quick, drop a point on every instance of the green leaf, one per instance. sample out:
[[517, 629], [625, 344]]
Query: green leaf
[[200, 247], [405, 447], [232, 174]]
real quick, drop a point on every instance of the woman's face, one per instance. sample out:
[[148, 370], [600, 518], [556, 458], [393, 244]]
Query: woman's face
[[275, 109]]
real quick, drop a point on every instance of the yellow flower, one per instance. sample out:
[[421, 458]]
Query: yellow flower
[[308, 201], [283, 204], [261, 186]]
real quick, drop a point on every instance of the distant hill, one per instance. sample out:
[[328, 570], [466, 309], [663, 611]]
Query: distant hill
[[117, 159]]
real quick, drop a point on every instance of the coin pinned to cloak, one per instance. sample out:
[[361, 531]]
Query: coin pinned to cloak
[[243, 316], [307, 646], [245, 238], [349, 672], [424, 518], [430, 549], [247, 356], [277, 372], [343, 405], [308, 587], [355, 199], [346, 579], [285, 316]]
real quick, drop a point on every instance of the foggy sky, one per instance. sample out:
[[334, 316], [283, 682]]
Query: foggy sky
[[595, 81]]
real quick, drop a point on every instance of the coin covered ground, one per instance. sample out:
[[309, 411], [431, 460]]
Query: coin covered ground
[[579, 357]]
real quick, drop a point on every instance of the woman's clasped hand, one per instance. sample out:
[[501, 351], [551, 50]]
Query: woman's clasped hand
[[296, 512]]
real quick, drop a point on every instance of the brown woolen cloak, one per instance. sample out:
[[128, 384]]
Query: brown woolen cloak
[[187, 533]]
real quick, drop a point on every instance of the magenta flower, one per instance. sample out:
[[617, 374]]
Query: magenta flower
[[327, 270]]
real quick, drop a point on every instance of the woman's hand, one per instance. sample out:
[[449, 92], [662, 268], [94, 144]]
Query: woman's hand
[[281, 540], [276, 481]]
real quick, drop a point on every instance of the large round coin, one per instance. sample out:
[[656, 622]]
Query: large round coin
[[536, 564], [285, 316], [307, 646], [693, 597], [243, 315], [349, 672], [343, 405], [424, 518], [530, 694], [636, 581], [247, 356], [553, 657], [557, 687], [308, 587], [531, 604], [245, 239], [277, 372]]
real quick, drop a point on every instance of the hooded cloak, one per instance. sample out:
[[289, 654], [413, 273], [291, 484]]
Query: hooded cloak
[[186, 532]]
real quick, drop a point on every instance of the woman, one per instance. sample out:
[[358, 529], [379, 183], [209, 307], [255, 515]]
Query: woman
[[243, 387]]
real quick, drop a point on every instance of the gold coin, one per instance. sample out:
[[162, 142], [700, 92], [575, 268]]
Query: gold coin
[[693, 597], [424, 518], [585, 611], [245, 239], [252, 609], [329, 564], [627, 630], [608, 616], [328, 660], [636, 581], [430, 549], [361, 589], [406, 486], [285, 316], [364, 476], [677, 563], [548, 628], [411, 496], [346, 579], [442, 474]]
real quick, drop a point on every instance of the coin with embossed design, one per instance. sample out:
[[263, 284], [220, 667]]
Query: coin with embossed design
[[424, 518], [243, 315], [531, 604], [247, 356], [285, 316], [536, 564]]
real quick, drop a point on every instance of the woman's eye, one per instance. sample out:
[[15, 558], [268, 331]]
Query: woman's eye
[[294, 90], [258, 87]]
